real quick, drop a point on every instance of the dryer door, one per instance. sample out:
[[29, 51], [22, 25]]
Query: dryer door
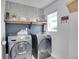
[[44, 48], [21, 50]]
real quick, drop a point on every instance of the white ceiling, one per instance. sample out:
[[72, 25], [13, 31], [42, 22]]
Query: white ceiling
[[34, 3]]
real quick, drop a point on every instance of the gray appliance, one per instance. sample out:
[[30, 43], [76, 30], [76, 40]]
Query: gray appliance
[[20, 48], [41, 46], [44, 46]]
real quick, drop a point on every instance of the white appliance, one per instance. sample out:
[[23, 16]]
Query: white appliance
[[44, 46], [20, 48]]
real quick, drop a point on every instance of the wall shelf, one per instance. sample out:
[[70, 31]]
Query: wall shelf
[[24, 22]]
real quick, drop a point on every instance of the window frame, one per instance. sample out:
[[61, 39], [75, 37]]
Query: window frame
[[52, 20]]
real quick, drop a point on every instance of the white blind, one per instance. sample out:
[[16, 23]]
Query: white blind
[[52, 22]]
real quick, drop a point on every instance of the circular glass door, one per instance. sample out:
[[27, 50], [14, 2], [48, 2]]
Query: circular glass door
[[21, 50], [44, 48]]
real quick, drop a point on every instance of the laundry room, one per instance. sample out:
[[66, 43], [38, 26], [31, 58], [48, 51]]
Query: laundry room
[[39, 29]]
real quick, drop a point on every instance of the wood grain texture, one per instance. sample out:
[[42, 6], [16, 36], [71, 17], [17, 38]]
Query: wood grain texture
[[73, 6], [25, 22]]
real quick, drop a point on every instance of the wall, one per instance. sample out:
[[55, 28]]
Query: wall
[[13, 29], [2, 19], [64, 42], [2, 28], [73, 41], [23, 11]]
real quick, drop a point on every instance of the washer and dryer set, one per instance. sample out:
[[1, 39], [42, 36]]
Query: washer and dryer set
[[24, 47]]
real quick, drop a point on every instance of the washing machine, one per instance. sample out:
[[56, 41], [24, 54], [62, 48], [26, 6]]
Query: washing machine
[[20, 47], [44, 46]]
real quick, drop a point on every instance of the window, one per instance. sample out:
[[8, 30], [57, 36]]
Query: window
[[52, 22]]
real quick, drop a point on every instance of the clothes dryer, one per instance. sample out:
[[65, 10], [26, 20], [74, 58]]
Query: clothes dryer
[[44, 46], [41, 46]]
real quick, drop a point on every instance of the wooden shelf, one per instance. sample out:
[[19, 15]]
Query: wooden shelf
[[24, 22]]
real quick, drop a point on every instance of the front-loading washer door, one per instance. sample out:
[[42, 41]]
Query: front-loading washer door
[[21, 50], [44, 48]]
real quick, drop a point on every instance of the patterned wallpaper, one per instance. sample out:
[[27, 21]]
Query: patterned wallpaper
[[23, 11]]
